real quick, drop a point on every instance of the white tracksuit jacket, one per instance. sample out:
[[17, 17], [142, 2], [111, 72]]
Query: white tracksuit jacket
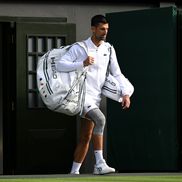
[[96, 73]]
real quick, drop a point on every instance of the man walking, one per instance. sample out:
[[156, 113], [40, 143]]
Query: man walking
[[93, 120]]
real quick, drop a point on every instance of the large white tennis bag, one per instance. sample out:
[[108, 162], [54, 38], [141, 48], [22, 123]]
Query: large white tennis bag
[[62, 92]]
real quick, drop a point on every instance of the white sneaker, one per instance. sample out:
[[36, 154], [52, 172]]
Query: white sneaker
[[75, 172], [103, 168]]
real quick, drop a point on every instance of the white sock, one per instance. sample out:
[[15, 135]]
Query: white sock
[[98, 155], [75, 167]]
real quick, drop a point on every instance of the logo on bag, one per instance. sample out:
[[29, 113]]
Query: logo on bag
[[53, 68], [109, 81], [73, 101]]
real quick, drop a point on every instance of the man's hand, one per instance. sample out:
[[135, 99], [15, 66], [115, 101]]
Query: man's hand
[[125, 102], [88, 61]]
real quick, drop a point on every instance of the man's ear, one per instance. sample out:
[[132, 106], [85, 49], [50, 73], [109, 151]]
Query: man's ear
[[93, 29]]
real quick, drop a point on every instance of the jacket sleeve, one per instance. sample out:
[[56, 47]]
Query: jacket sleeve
[[125, 86], [72, 60]]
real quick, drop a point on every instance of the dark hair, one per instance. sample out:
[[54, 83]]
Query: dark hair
[[98, 19]]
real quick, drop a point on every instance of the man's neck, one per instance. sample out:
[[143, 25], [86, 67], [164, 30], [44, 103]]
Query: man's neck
[[96, 42]]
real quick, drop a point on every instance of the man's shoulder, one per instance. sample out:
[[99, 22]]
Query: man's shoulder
[[107, 44]]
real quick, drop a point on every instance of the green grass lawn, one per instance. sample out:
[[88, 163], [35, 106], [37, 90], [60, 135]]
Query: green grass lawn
[[169, 178]]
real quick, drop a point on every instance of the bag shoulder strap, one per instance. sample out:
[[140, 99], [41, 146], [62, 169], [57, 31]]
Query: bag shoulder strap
[[110, 53], [83, 45]]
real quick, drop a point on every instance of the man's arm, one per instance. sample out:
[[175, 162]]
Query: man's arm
[[72, 60], [116, 72]]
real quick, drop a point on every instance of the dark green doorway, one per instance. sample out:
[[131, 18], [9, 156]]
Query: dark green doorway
[[145, 138], [36, 140]]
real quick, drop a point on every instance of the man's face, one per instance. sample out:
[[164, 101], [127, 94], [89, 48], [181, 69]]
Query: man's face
[[100, 31]]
